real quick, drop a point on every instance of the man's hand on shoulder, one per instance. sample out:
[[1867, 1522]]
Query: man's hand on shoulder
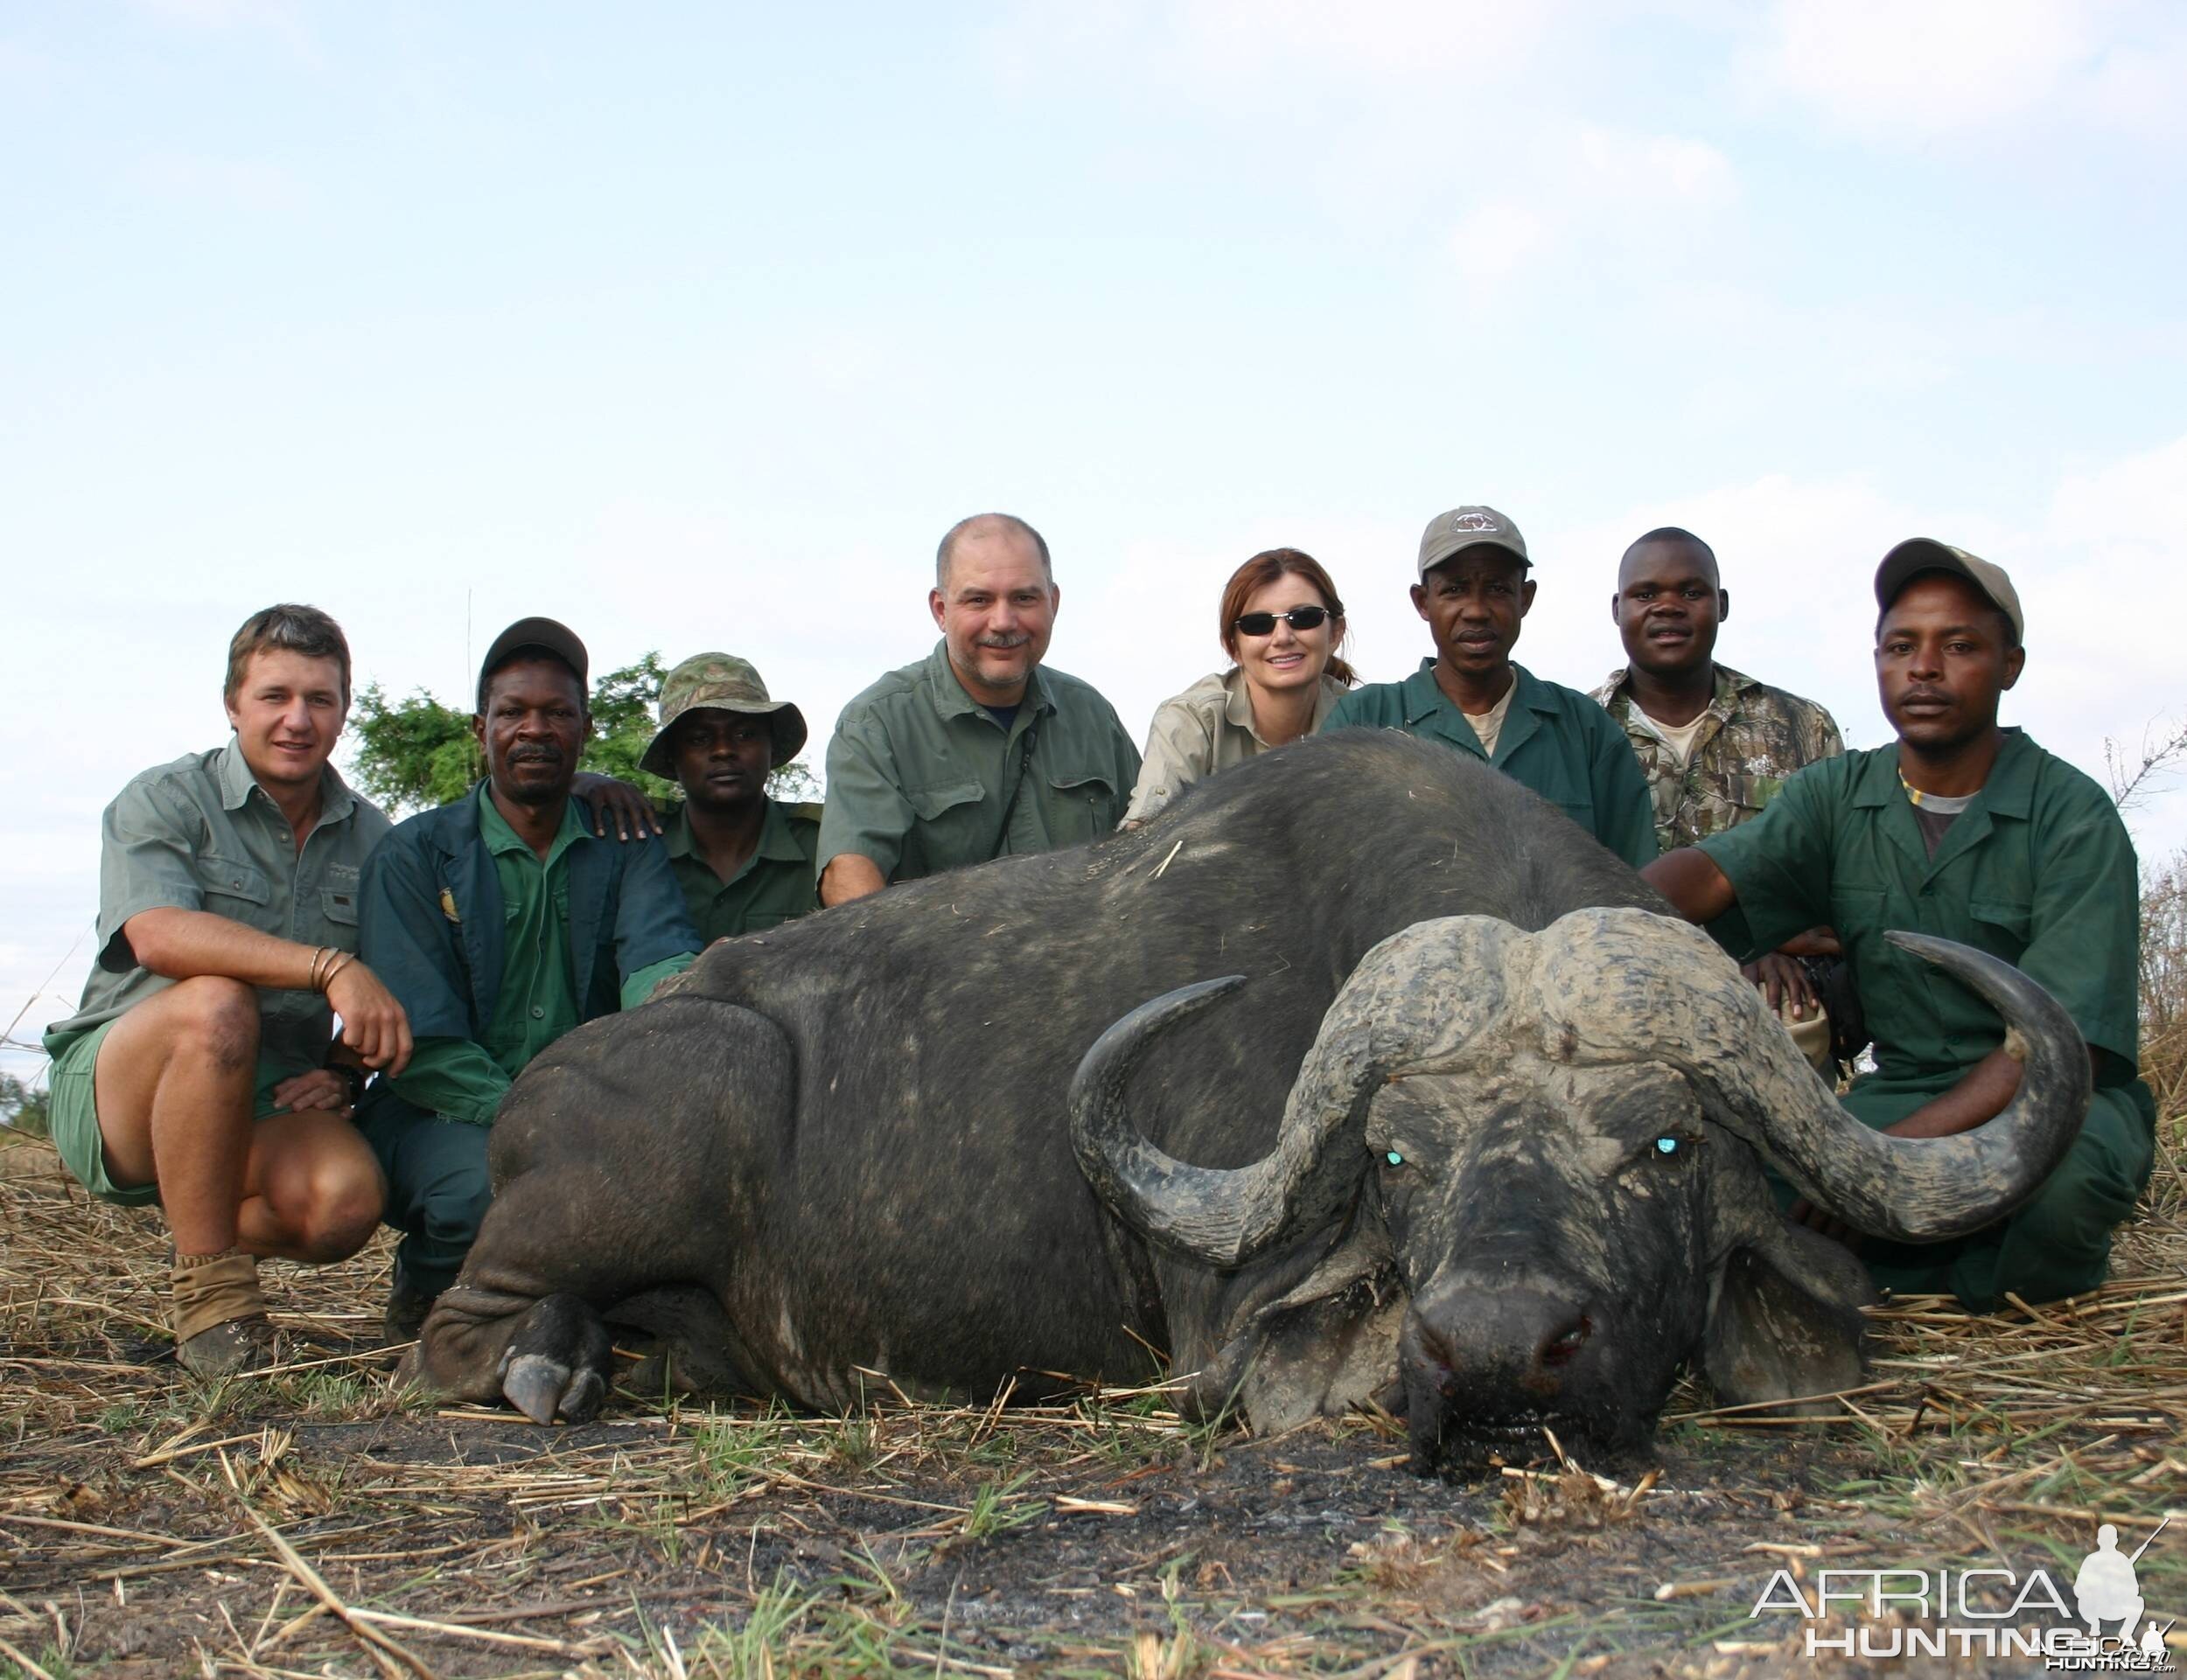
[[619, 802], [373, 1024]]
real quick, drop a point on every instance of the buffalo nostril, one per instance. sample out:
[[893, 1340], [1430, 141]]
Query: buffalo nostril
[[1558, 1349]]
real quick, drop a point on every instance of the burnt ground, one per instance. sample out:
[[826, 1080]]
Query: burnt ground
[[315, 1521]]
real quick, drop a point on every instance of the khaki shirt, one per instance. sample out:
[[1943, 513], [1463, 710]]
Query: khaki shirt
[[920, 774], [200, 834], [1208, 728], [1752, 737]]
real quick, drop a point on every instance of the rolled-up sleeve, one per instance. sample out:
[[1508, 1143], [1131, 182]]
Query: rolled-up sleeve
[[147, 845], [1778, 862], [655, 935], [866, 812], [1179, 752]]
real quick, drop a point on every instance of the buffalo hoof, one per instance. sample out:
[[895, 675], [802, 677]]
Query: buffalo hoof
[[557, 1363]]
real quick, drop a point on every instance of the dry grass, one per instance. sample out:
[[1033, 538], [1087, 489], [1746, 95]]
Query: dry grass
[[311, 1517]]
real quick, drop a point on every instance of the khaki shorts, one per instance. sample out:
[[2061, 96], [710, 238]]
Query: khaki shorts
[[73, 1116]]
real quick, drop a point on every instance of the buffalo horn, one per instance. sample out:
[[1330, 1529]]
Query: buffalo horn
[[1756, 1083], [1435, 981]]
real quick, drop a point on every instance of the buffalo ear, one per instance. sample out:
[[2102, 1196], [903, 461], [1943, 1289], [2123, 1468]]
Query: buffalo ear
[[1319, 1348], [1785, 1320]]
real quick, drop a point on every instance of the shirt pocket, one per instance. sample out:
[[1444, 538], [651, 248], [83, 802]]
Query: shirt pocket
[[341, 909], [953, 829], [239, 891], [1750, 794], [1082, 805], [2001, 929], [1580, 810]]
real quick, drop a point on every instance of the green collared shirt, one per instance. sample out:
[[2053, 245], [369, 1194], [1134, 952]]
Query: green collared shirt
[[2037, 870], [1752, 738], [920, 775], [777, 884], [537, 1003], [200, 834], [1554, 740]]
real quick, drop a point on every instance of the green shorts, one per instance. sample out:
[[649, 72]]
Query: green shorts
[[72, 1114]]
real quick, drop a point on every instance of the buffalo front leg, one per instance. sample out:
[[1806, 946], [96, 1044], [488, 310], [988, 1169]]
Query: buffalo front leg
[[614, 1170]]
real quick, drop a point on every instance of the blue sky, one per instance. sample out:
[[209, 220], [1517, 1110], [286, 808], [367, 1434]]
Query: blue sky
[[695, 326]]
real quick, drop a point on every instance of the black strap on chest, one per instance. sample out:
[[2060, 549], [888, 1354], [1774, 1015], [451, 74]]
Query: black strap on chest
[[1018, 786]]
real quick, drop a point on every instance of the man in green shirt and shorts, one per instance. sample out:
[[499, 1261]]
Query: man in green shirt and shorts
[[201, 1072], [978, 750], [743, 859], [1973, 833], [1473, 591], [502, 921]]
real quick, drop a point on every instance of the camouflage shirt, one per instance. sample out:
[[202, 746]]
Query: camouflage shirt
[[1752, 737]]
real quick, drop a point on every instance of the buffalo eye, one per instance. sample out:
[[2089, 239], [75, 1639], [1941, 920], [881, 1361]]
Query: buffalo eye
[[1393, 1157]]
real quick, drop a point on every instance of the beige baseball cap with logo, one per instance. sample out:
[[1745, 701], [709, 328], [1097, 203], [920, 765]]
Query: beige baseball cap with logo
[[1917, 554], [1467, 528]]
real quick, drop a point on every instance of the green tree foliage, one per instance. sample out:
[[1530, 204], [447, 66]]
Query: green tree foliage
[[410, 755], [22, 1107], [414, 754]]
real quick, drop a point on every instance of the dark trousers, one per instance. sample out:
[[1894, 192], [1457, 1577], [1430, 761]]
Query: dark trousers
[[437, 1185]]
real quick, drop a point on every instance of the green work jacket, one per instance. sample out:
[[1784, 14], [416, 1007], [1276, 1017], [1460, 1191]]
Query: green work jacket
[[200, 834], [1555, 741], [777, 884], [920, 774], [495, 954], [2037, 870]]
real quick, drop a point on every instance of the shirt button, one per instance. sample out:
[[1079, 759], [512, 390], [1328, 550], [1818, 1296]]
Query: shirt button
[[538, 1014]]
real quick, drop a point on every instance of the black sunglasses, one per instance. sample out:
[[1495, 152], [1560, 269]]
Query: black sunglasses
[[1263, 624]]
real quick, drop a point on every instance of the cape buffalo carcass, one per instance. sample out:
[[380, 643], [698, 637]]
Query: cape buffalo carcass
[[1477, 1134]]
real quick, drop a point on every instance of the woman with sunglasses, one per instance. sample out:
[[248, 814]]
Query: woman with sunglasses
[[1282, 624]]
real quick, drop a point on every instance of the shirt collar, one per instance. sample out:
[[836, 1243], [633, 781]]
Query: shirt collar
[[2009, 792], [499, 837], [1614, 695], [952, 700], [778, 840], [237, 784], [1423, 696], [1238, 703]]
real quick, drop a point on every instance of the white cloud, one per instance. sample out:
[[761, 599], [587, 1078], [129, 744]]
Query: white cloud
[[1925, 66], [1923, 69], [1597, 194]]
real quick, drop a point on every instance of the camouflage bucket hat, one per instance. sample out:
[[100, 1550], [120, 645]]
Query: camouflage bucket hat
[[720, 682]]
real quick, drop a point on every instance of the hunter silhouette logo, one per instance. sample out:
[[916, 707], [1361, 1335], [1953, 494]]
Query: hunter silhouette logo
[[1987, 1611]]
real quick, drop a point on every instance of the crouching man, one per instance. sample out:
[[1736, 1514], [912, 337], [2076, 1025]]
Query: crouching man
[[1971, 831], [201, 1072], [502, 921]]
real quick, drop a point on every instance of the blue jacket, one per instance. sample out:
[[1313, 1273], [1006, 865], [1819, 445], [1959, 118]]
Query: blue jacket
[[432, 919]]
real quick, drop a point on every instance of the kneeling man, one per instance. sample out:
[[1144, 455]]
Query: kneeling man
[[200, 1071], [1971, 831], [501, 922], [744, 857]]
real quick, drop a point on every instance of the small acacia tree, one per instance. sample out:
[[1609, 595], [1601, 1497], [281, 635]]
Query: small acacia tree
[[413, 754]]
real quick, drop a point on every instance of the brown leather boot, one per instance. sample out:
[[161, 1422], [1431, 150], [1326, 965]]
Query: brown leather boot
[[219, 1315]]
